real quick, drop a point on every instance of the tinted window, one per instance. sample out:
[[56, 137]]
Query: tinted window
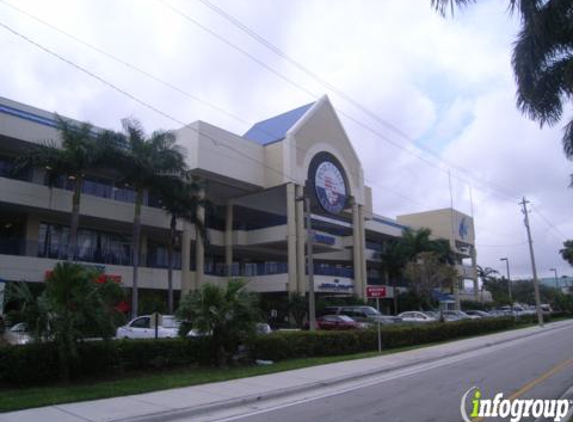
[[143, 322]]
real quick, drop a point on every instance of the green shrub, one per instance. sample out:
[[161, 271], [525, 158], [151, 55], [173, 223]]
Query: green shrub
[[301, 344], [37, 363]]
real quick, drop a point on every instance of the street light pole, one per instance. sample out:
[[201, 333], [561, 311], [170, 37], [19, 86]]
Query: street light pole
[[556, 279], [309, 264], [508, 281]]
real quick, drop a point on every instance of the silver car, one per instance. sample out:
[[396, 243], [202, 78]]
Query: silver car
[[142, 327], [416, 316], [18, 334]]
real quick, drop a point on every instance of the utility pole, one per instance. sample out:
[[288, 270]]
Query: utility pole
[[309, 264], [525, 212]]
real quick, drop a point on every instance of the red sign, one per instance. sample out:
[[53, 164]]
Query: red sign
[[102, 278], [373, 292]]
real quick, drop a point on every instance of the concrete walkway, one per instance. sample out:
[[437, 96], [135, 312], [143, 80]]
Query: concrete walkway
[[188, 401]]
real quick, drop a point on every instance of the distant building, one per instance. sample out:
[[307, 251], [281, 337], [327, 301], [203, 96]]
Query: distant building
[[564, 283]]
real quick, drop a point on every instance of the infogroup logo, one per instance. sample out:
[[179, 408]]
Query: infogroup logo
[[514, 410]]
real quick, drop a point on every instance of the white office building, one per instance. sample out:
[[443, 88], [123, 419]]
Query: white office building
[[256, 230]]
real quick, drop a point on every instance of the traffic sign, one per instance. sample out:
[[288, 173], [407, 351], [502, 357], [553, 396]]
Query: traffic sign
[[374, 292]]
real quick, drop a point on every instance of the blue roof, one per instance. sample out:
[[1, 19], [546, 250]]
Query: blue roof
[[275, 128]]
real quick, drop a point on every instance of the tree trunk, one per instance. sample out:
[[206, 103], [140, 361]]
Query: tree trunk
[[172, 234], [75, 220], [136, 251]]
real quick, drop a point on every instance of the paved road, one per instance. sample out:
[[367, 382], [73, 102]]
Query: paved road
[[430, 393]]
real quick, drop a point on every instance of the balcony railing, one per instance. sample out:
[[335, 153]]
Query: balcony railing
[[123, 257]]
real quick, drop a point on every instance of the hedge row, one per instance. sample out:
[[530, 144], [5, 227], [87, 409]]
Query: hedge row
[[38, 363], [35, 364], [291, 345]]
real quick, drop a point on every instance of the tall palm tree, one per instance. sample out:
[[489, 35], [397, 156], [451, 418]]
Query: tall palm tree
[[180, 198], [542, 59], [415, 241], [143, 162], [486, 274], [394, 257], [81, 150]]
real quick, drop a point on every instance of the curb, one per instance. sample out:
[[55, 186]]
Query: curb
[[173, 414]]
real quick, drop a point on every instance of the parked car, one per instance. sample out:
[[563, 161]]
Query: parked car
[[478, 313], [142, 327], [263, 328], [18, 334], [362, 313], [417, 316], [456, 316], [336, 322], [546, 309]]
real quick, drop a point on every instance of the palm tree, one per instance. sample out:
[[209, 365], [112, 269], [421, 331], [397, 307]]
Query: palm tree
[[394, 257], [81, 150], [225, 314], [486, 274], [415, 241], [180, 198], [542, 59], [567, 251], [143, 162]]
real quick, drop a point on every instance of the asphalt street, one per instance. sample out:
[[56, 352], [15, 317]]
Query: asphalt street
[[535, 367]]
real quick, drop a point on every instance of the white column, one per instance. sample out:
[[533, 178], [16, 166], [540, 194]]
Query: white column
[[364, 272], [186, 259], [358, 289], [229, 241], [300, 243], [291, 236]]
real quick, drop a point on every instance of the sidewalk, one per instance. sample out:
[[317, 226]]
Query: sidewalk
[[197, 399]]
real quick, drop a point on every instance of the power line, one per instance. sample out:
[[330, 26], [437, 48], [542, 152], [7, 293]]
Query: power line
[[174, 87], [204, 102], [136, 99], [262, 40], [182, 91], [178, 89], [556, 231], [224, 40]]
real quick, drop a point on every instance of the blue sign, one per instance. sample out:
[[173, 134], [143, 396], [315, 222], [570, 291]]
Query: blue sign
[[464, 229]]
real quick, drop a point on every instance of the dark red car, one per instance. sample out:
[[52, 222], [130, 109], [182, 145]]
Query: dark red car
[[336, 322]]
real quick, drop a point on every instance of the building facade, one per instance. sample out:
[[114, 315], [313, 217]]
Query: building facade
[[256, 229]]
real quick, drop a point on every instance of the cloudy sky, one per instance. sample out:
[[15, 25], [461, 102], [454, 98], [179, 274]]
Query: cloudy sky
[[439, 93]]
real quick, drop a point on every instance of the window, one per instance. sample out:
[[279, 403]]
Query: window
[[92, 245], [143, 322]]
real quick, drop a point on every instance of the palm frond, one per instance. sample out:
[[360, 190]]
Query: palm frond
[[568, 140]]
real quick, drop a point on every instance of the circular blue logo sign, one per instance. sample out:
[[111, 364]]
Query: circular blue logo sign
[[330, 187]]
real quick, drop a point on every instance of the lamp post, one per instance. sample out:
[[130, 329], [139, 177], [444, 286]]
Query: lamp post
[[508, 281], [556, 279], [309, 264]]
